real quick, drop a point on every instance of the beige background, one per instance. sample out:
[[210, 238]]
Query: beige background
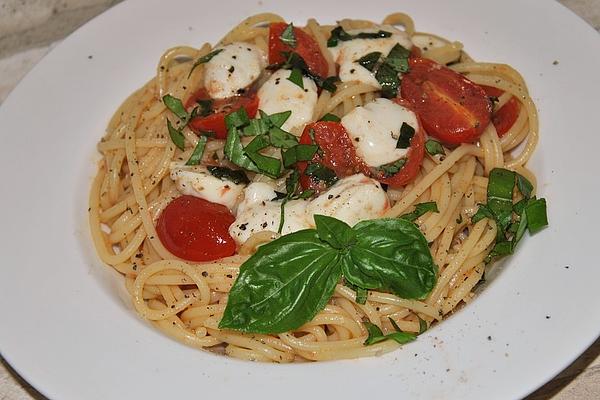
[[31, 28]]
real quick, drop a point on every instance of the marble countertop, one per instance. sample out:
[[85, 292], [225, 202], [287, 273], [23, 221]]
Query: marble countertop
[[29, 29]]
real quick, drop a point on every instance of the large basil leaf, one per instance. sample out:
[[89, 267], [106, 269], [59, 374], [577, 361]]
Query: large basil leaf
[[283, 285], [391, 255]]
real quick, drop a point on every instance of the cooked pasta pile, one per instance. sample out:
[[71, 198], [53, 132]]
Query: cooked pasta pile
[[187, 300]]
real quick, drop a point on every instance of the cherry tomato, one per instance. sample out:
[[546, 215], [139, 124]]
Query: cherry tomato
[[195, 229], [505, 117], [338, 153], [414, 157], [451, 107], [306, 47], [215, 122]]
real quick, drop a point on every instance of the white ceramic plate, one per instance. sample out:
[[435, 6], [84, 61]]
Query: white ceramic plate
[[66, 329]]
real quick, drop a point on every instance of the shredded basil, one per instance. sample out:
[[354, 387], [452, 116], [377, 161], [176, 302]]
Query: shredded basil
[[339, 34], [237, 119], [322, 173], [376, 335], [204, 108], [234, 151], [434, 147], [288, 36], [393, 168], [295, 61], [300, 152], [198, 152], [420, 210], [176, 107], [361, 293], [296, 78], [266, 165], [422, 325], [204, 59], [370, 60], [176, 136], [406, 134], [234, 175], [289, 280], [330, 117], [291, 187], [282, 139]]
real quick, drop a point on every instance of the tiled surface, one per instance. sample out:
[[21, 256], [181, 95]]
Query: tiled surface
[[30, 28]]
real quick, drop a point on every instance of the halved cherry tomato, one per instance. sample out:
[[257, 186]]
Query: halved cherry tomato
[[338, 153], [414, 157], [451, 107], [195, 229], [306, 47], [505, 117], [215, 122]]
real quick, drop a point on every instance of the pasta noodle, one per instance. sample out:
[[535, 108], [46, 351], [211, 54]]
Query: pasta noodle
[[186, 300]]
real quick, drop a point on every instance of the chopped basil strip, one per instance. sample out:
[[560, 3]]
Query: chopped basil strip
[[237, 119], [370, 60], [392, 168], [281, 138], [434, 147], [204, 59], [339, 34], [176, 136], [406, 134], [395, 63], [376, 335], [176, 107], [512, 220], [330, 117], [234, 151], [295, 61], [288, 37], [196, 156], [234, 175], [277, 119], [300, 152], [422, 325], [420, 210], [204, 108], [289, 280], [361, 293], [266, 165], [321, 173], [296, 78]]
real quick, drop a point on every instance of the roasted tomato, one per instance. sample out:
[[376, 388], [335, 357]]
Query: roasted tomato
[[215, 122], [505, 117], [195, 229], [306, 47], [451, 107]]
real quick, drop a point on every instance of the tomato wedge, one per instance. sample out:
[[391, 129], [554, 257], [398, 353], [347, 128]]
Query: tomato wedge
[[337, 153], [215, 122], [452, 108], [195, 229], [505, 117], [306, 47]]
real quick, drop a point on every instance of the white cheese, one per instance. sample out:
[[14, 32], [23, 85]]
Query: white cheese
[[352, 199], [234, 68], [346, 53], [199, 182], [374, 129], [279, 94]]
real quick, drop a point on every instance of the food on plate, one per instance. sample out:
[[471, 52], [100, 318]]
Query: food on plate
[[314, 193]]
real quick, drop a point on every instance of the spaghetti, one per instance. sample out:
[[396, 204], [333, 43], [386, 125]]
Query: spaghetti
[[187, 300]]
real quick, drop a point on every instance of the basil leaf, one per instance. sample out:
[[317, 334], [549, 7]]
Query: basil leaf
[[330, 117], [283, 285], [388, 79], [391, 255], [420, 210], [482, 212], [422, 325], [339, 34], [234, 175], [204, 107], [376, 335], [524, 186], [176, 136], [406, 134], [327, 83], [204, 59], [237, 119], [234, 151], [282, 215], [306, 194], [296, 78], [397, 58], [434, 147], [278, 119], [257, 126], [373, 35], [537, 217], [333, 231], [361, 295], [282, 139], [295, 61], [266, 165], [288, 37], [196, 156], [392, 168], [321, 173], [176, 107], [300, 152], [369, 61]]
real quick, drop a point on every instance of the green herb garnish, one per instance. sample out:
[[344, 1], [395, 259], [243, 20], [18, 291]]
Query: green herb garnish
[[300, 152], [376, 335], [406, 134], [339, 34], [393, 168], [234, 175], [420, 210], [330, 117], [296, 78], [198, 152], [204, 59], [288, 37], [434, 147], [176, 136]]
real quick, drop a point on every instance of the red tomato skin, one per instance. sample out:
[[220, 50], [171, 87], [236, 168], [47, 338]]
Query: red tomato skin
[[505, 117], [451, 107], [414, 157], [306, 47], [216, 122], [195, 229]]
